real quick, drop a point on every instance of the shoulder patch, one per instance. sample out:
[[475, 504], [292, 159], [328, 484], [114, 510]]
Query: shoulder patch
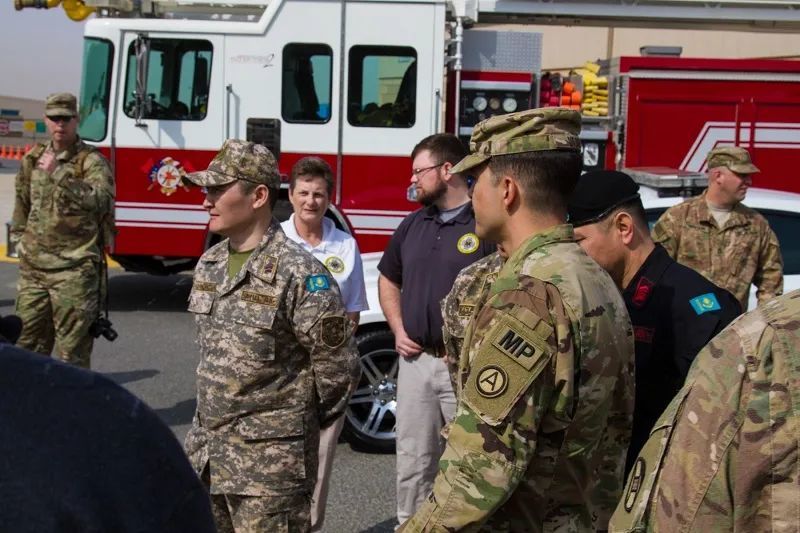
[[468, 243], [317, 282], [644, 288], [705, 303], [491, 382], [333, 330]]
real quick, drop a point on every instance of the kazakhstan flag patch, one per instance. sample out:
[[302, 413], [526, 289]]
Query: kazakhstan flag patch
[[705, 303], [317, 282]]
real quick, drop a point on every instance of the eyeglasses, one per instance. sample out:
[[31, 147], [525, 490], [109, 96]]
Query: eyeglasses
[[61, 119], [419, 171]]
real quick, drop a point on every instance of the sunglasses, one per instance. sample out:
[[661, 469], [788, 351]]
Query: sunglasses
[[61, 118]]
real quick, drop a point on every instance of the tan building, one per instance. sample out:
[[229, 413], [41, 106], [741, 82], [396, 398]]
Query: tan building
[[21, 121], [565, 47]]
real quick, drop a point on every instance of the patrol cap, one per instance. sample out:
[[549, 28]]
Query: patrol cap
[[598, 193], [533, 130], [239, 160], [61, 105], [735, 158]]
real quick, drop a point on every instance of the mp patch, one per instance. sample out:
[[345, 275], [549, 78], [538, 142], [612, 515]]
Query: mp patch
[[333, 330], [491, 381], [705, 303], [317, 282], [518, 346]]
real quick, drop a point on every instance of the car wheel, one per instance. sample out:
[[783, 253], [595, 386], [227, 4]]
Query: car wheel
[[370, 417]]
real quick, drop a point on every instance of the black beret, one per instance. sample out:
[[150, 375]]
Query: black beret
[[598, 193]]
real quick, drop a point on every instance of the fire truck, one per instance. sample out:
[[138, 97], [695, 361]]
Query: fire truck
[[358, 83]]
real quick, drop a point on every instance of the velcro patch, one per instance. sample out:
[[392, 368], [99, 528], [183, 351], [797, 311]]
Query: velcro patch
[[204, 286], [317, 282], [465, 310], [333, 330], [520, 345], [270, 267], [705, 303], [510, 356], [259, 298]]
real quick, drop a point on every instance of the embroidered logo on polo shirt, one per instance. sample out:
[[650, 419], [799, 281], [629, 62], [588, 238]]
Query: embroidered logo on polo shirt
[[468, 243], [317, 282], [335, 264], [705, 303]]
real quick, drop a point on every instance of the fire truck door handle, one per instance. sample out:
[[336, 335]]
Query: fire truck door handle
[[229, 93]]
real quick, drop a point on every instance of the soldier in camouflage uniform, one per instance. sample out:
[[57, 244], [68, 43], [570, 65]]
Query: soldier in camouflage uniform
[[545, 408], [724, 455], [469, 293], [278, 360], [63, 215], [726, 241]]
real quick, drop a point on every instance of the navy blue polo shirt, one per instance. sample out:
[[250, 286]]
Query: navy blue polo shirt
[[423, 257]]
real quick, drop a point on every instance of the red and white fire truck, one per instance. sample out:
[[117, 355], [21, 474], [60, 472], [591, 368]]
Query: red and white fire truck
[[358, 83]]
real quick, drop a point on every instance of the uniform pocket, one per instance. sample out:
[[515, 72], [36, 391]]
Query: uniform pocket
[[279, 435], [200, 302]]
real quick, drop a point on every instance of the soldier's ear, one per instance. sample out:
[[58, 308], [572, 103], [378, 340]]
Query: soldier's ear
[[260, 196], [624, 225]]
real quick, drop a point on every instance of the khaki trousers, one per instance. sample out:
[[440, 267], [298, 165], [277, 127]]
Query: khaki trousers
[[425, 404], [328, 439]]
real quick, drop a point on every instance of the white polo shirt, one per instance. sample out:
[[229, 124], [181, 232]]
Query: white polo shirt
[[339, 252]]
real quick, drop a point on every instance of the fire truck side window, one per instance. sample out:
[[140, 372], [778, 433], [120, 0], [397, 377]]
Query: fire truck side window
[[95, 88], [306, 91], [178, 79], [382, 87]]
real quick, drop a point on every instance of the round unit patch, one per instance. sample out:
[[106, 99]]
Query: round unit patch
[[468, 243], [335, 264], [492, 381]]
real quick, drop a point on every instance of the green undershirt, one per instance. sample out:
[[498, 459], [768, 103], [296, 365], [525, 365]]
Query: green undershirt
[[236, 261]]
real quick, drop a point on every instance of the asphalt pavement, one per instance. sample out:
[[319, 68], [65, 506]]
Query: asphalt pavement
[[155, 358]]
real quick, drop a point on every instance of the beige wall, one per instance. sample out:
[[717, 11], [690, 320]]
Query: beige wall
[[29, 110], [565, 46]]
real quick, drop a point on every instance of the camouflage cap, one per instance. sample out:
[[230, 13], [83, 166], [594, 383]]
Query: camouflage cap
[[534, 130], [735, 158], [61, 105], [239, 160]]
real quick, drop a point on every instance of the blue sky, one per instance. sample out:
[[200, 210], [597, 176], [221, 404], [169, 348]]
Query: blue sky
[[40, 52]]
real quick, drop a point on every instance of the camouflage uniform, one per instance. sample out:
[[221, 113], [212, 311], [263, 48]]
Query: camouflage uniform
[[744, 251], [724, 455], [278, 361], [469, 293], [64, 205], [546, 404]]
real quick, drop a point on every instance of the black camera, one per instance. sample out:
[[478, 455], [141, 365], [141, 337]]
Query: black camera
[[102, 326]]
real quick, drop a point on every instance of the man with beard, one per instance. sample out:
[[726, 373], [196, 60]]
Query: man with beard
[[423, 258]]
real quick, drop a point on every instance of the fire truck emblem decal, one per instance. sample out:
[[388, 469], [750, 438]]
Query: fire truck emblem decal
[[168, 175], [782, 135]]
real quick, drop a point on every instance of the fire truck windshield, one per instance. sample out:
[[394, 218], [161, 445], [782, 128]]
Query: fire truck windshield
[[178, 79], [95, 88]]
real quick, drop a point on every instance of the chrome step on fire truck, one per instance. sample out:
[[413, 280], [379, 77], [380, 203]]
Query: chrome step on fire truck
[[356, 82]]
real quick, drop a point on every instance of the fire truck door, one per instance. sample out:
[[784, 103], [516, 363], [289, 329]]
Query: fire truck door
[[394, 70], [184, 98]]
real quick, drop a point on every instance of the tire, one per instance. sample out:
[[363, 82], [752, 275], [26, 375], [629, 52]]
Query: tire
[[370, 417]]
